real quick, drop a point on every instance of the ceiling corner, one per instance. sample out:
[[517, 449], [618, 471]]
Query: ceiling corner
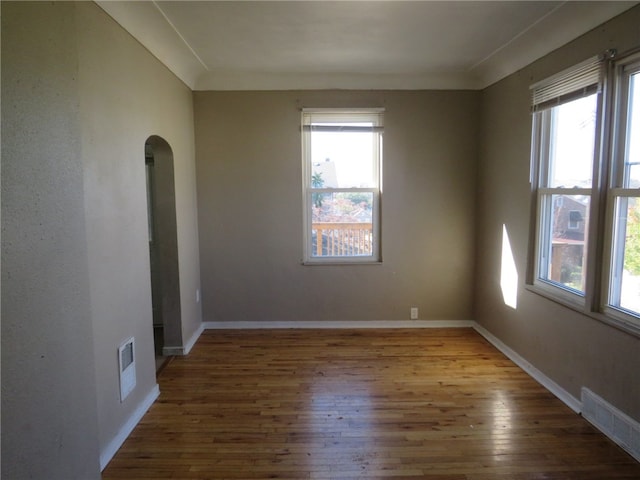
[[145, 21], [566, 23]]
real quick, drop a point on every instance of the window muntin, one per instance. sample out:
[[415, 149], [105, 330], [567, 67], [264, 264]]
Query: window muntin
[[624, 268], [342, 152]]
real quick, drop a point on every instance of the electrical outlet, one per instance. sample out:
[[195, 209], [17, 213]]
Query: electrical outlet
[[414, 313]]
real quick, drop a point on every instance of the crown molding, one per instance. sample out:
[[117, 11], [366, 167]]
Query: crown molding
[[146, 22]]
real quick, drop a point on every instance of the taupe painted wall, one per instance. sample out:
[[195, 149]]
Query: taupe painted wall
[[572, 349], [49, 410], [80, 98], [250, 212], [126, 95]]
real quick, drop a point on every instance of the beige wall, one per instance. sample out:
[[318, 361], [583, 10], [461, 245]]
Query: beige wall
[[49, 410], [126, 95], [572, 349], [250, 211], [80, 98]]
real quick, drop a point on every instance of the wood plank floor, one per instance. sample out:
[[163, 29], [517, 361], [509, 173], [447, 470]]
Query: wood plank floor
[[341, 404]]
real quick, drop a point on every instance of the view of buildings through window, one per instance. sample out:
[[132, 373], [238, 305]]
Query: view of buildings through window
[[570, 129], [570, 219], [568, 124], [342, 169]]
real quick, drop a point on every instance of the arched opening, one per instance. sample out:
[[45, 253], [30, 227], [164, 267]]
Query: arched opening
[[163, 248]]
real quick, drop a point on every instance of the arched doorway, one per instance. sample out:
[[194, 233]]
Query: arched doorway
[[163, 247]]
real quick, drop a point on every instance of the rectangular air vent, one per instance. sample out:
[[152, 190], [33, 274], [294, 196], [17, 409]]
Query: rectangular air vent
[[618, 426], [127, 362]]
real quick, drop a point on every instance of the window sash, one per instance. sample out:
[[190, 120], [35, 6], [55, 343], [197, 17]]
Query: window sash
[[618, 251], [617, 301], [572, 84], [338, 121], [311, 255], [549, 260], [620, 166]]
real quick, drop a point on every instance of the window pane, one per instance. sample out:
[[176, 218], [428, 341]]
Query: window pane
[[632, 155], [564, 223], [625, 288], [571, 143], [342, 224], [343, 159]]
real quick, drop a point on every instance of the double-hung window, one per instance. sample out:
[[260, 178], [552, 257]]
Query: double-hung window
[[624, 194], [565, 151], [342, 160], [586, 189]]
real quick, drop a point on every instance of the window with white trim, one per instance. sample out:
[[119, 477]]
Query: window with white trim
[[566, 109], [624, 215], [342, 160], [586, 189]]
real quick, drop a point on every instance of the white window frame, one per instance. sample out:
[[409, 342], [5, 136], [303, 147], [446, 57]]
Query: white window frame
[[603, 261], [577, 82], [336, 115], [617, 193]]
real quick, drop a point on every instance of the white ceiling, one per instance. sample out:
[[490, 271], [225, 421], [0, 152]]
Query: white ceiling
[[273, 45]]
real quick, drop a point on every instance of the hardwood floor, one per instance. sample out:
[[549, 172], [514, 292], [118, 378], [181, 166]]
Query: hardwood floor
[[340, 404]]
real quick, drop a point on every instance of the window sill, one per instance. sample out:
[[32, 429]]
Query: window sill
[[322, 263], [559, 295], [613, 318]]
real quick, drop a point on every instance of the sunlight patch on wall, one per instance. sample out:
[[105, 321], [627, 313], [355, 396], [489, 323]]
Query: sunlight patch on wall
[[508, 272]]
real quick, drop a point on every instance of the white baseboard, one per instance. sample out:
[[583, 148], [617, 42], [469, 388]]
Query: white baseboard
[[194, 338], [615, 424], [110, 450], [341, 324], [572, 402], [184, 350]]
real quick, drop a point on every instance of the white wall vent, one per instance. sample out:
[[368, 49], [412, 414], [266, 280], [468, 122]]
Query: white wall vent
[[127, 363], [618, 426]]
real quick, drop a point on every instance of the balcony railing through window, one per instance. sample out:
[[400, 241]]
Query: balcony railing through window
[[337, 239]]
